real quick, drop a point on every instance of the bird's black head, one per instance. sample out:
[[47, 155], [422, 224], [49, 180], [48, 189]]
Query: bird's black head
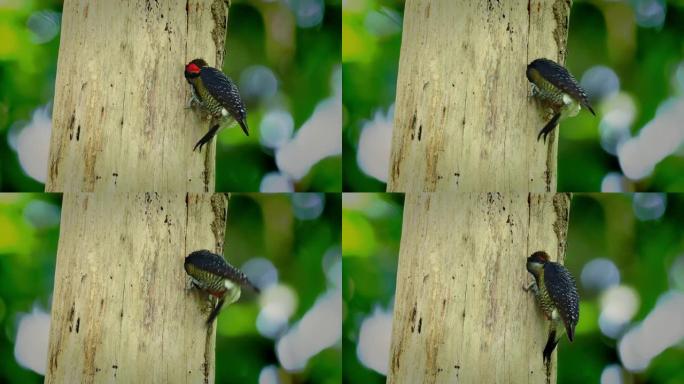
[[536, 262], [192, 69]]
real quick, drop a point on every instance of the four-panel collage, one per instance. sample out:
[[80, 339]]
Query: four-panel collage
[[342, 191]]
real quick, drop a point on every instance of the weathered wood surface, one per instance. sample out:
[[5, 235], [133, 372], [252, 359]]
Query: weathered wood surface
[[460, 313], [122, 309], [463, 120], [119, 122]]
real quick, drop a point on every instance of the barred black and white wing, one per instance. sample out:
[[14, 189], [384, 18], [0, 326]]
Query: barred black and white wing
[[557, 75], [215, 264], [563, 293], [224, 90]]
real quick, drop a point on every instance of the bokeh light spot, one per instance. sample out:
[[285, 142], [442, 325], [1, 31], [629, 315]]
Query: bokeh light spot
[[269, 375], [614, 182], [649, 13], [612, 374], [308, 206], [618, 305], [658, 139], [375, 335], [41, 214], [600, 82], [309, 13], [278, 303], [276, 182], [599, 274], [319, 137], [649, 206], [618, 117], [44, 26], [383, 23], [276, 128], [258, 82], [261, 271], [375, 145], [319, 328], [662, 328], [33, 144], [31, 347]]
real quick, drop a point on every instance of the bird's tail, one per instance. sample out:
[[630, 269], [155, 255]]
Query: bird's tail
[[246, 283], [215, 311], [549, 126], [207, 137], [589, 108], [243, 125], [551, 343], [555, 334]]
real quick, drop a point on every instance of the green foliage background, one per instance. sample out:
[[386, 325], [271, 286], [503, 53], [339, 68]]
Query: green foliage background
[[601, 225], [259, 225], [371, 231], [302, 59], [29, 230], [601, 32]]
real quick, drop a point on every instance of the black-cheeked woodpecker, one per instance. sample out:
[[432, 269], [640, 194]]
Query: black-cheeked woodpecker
[[213, 274], [217, 94], [557, 90], [556, 293]]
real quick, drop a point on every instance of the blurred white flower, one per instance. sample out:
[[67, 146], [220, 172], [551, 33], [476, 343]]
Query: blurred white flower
[[31, 347], [276, 182], [375, 145], [33, 144], [375, 335], [658, 139], [320, 328], [318, 138]]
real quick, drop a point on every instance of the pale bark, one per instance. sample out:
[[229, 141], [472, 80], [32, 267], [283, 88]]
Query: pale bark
[[123, 310], [119, 122], [463, 120], [461, 314]]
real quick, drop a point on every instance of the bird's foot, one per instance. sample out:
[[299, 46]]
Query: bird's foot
[[192, 101], [532, 286]]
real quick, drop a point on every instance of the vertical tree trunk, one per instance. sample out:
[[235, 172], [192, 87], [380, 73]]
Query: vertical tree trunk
[[123, 309], [119, 122], [460, 314], [463, 118]]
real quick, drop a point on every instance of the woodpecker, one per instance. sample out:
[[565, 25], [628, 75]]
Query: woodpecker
[[212, 273], [558, 90], [556, 293], [217, 94]]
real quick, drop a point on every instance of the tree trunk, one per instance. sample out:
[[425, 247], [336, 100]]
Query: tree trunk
[[119, 122], [463, 120], [123, 309], [461, 314]]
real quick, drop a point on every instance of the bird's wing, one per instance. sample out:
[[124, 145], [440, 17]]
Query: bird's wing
[[224, 91], [217, 265], [563, 294]]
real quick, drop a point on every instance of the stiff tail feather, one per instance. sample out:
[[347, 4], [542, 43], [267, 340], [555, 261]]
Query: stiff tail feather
[[549, 126], [551, 343], [206, 138], [215, 311]]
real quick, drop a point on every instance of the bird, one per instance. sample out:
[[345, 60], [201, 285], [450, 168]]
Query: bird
[[217, 94], [211, 273], [556, 293], [558, 90]]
